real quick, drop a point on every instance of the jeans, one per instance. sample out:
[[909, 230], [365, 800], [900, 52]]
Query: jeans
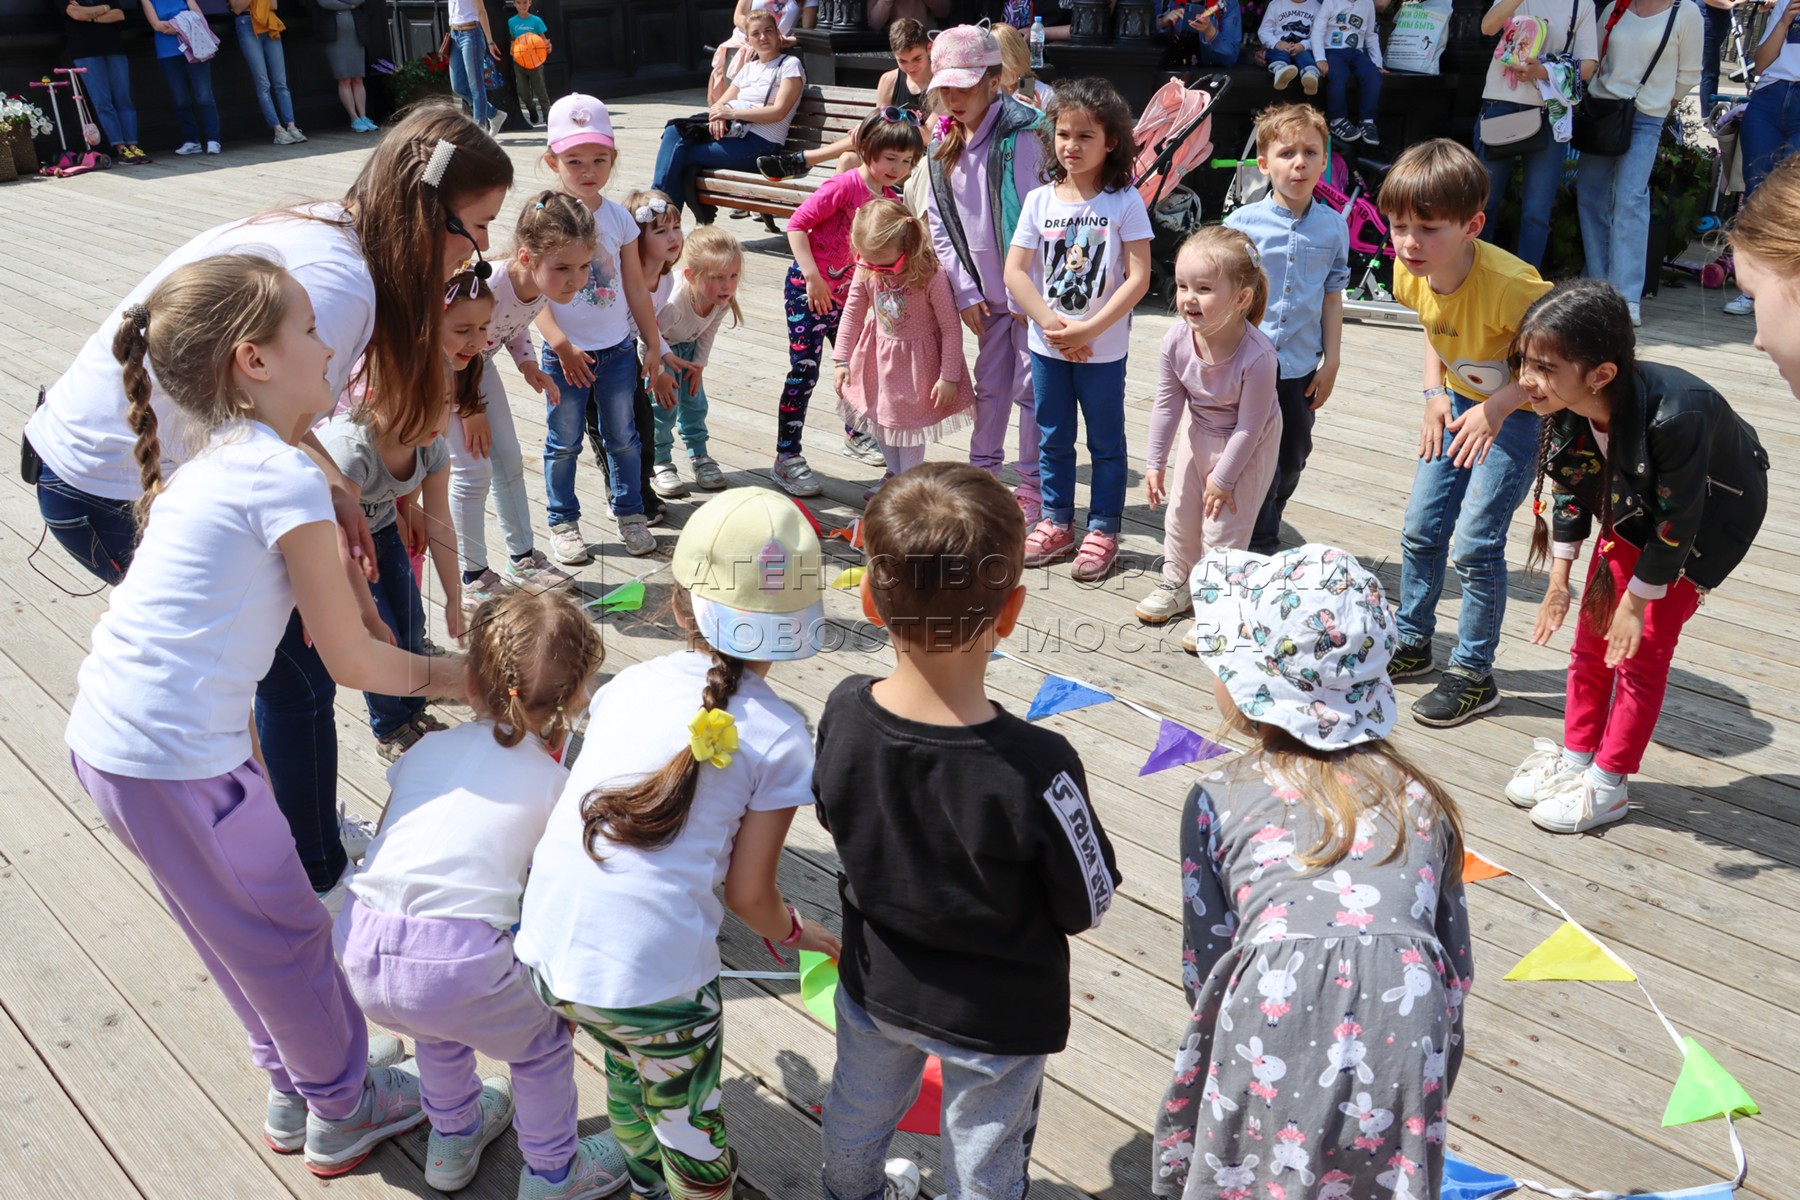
[[502, 472], [643, 419], [1544, 173], [1060, 387], [678, 161], [688, 415], [1769, 130], [1476, 504], [299, 743], [268, 70], [1718, 29], [1301, 59], [468, 65], [190, 85], [1345, 65], [403, 612], [1613, 199], [615, 379], [807, 331], [100, 534], [1297, 419], [108, 87]]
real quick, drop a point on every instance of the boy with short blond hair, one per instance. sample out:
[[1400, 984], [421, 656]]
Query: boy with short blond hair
[[969, 853], [1477, 453]]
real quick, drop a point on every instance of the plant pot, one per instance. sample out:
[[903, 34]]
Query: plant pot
[[24, 151], [8, 172], [1656, 252]]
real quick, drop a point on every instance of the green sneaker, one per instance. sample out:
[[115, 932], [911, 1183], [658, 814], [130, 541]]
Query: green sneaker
[[451, 1159], [598, 1170], [390, 1105]]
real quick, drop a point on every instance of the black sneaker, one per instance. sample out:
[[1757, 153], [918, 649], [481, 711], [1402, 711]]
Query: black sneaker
[[789, 164], [1410, 660], [1457, 698]]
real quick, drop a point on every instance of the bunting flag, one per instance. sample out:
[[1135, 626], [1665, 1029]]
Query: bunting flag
[[850, 577], [926, 1114], [1177, 745], [1058, 695], [1705, 1090], [627, 597], [1465, 1182], [1477, 868], [818, 986], [1572, 953]]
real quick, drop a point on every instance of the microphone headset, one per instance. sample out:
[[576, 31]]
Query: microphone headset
[[482, 268]]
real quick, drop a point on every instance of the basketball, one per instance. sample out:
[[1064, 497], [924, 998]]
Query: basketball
[[530, 50]]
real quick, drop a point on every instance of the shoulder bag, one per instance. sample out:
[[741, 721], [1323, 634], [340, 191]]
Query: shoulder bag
[[1509, 129], [1603, 124]]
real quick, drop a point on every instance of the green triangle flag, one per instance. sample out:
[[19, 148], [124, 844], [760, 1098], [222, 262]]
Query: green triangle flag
[[818, 986], [627, 597], [1571, 953], [1705, 1089]]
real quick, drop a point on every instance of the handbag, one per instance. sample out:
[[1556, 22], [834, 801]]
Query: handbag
[[1602, 123], [697, 129], [1509, 129]]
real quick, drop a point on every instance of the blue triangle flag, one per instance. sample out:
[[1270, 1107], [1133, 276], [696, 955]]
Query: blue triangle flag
[[1058, 694], [1177, 745], [1465, 1182]]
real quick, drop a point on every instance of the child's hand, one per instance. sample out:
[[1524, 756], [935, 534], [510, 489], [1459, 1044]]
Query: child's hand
[[662, 386], [1069, 336], [818, 294], [477, 436], [372, 622], [1322, 67], [1626, 633], [817, 938], [839, 375], [453, 614], [944, 393], [1153, 485], [1550, 614], [538, 380], [1217, 500], [682, 369], [1475, 431], [577, 365], [1323, 382], [1431, 428], [1078, 354], [975, 317]]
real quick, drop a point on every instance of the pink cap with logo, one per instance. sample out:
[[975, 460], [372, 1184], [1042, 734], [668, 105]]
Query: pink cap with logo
[[577, 120], [961, 55]]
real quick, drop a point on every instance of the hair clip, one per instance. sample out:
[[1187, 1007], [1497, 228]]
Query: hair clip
[[454, 293], [138, 314], [440, 162], [649, 210], [1537, 508], [539, 206], [513, 692], [944, 122]]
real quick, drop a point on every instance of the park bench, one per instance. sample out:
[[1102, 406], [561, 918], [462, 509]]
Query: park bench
[[824, 115]]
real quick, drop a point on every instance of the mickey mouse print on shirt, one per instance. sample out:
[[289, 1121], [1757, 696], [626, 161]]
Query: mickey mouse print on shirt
[[1074, 266], [1078, 259]]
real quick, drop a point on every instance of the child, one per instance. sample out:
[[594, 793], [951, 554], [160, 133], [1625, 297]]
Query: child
[[1679, 484], [1216, 402], [659, 249], [1304, 249], [387, 463], [1346, 44], [1354, 996], [528, 82], [905, 86], [959, 829], [1209, 33], [1469, 295], [621, 921], [1766, 254], [426, 939], [888, 142], [689, 319], [159, 731], [899, 370], [1286, 34], [1079, 262], [553, 245], [590, 352], [972, 194]]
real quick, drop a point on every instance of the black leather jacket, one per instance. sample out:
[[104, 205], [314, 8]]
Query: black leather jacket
[[1689, 481]]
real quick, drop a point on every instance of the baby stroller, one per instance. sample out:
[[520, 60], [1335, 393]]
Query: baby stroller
[[1174, 135]]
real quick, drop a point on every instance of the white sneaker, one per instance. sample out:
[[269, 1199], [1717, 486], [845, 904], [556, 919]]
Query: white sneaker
[[190, 148], [707, 475], [355, 831], [1284, 74], [863, 448], [665, 481], [1575, 803], [902, 1180], [496, 123], [282, 136], [1637, 314], [535, 571], [567, 546], [1190, 638], [795, 477], [295, 134], [214, 148], [634, 531], [451, 1160], [1743, 306], [1309, 81], [480, 590], [1536, 775], [1163, 605]]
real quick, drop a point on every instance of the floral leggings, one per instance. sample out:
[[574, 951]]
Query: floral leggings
[[807, 331]]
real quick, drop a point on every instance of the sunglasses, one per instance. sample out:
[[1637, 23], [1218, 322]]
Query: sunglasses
[[893, 268], [894, 115]]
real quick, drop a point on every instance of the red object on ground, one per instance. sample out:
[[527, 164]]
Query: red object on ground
[[926, 1114]]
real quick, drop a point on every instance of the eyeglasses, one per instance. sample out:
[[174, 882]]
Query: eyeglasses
[[893, 268], [894, 115], [649, 210]]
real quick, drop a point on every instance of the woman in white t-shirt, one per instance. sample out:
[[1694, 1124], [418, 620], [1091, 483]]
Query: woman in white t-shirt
[[621, 921], [748, 120], [734, 52], [158, 734], [1769, 130]]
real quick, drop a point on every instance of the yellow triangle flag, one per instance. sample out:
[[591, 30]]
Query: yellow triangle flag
[[1570, 953], [850, 577]]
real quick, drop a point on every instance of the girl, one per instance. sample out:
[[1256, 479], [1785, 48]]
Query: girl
[[267, 60], [690, 318], [386, 463], [1770, 127], [659, 249], [553, 245], [1326, 936], [590, 353], [158, 738], [1218, 372], [426, 938], [1079, 262], [899, 368], [190, 81], [888, 142], [621, 921], [1766, 252], [1679, 484], [979, 132]]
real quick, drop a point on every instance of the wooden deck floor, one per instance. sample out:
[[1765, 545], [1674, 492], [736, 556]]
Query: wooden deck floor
[[124, 1073]]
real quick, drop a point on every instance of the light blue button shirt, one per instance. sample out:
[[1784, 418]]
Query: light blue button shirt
[[1304, 258]]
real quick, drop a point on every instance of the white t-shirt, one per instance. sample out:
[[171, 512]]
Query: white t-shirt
[[463, 12], [1555, 15], [81, 432], [166, 691], [598, 318], [464, 815], [510, 326], [1786, 67], [643, 926], [757, 82], [1081, 258]]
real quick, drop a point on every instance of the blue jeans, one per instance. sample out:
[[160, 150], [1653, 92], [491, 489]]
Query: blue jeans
[[1098, 391], [268, 70], [677, 161], [1345, 66], [1301, 59], [294, 723], [1718, 28], [1544, 173], [1297, 419], [688, 415], [190, 85], [615, 381], [1612, 195], [1476, 504], [108, 87], [468, 67], [403, 612], [1769, 130], [98, 533]]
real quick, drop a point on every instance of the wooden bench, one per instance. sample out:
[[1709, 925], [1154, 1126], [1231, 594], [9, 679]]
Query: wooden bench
[[824, 115]]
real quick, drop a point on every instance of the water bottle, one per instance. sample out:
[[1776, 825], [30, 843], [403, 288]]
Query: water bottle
[[1037, 42]]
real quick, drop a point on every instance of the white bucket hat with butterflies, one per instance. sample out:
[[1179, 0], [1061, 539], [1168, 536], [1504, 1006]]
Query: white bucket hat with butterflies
[[1300, 639]]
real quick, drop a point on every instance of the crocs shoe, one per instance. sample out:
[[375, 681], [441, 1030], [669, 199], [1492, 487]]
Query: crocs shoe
[[535, 572], [1098, 552], [390, 1106], [1047, 542], [598, 1170], [451, 1159]]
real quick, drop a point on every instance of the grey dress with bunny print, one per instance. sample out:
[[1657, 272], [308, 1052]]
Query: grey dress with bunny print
[[1326, 1023]]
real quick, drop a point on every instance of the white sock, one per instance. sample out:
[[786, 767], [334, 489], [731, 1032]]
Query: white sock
[[1576, 758]]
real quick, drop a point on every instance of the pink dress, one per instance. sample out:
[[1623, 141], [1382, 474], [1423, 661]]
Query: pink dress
[[898, 342]]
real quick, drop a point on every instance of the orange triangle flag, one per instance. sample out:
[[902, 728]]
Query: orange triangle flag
[[1477, 868], [1571, 953]]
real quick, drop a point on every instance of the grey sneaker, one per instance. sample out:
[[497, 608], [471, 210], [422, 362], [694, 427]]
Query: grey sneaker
[[295, 133], [282, 136], [480, 590], [863, 448], [390, 1105], [598, 1170], [386, 1050], [707, 476], [534, 571], [665, 481], [284, 1117], [634, 531], [795, 477], [567, 546], [452, 1159], [497, 122], [355, 831]]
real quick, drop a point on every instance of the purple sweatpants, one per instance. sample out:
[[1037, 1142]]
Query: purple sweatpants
[[454, 987], [223, 858], [1003, 383]]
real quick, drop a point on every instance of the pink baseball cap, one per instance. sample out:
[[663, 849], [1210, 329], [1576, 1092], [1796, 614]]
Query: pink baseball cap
[[961, 55], [577, 120]]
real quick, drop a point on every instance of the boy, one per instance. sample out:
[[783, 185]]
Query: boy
[[969, 852], [1286, 35], [529, 81], [903, 87], [1469, 295]]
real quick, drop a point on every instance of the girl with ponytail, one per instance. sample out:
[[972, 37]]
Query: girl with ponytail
[[664, 804], [1678, 485]]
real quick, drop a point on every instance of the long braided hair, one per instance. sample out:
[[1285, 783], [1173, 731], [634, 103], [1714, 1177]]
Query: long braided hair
[[530, 655]]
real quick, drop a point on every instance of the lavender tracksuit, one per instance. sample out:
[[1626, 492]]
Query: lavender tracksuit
[[1002, 360]]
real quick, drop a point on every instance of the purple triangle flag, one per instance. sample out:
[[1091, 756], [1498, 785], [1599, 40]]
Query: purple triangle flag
[[1058, 694], [1177, 745]]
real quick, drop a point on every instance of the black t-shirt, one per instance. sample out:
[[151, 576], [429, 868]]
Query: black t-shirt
[[90, 39], [968, 857]]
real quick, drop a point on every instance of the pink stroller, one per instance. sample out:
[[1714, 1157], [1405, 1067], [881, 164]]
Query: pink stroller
[[1174, 136]]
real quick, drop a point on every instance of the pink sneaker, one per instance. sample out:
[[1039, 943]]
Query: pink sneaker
[[1031, 505], [1095, 558], [1047, 542]]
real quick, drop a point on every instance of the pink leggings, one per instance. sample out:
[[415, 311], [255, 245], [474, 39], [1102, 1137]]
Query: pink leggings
[[1187, 532]]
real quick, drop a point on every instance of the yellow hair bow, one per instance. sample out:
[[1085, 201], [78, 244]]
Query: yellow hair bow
[[712, 736]]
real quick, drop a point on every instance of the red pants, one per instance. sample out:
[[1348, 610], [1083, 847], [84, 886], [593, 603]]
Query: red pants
[[1612, 713]]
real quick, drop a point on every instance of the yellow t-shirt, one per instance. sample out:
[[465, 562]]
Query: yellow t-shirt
[[1472, 328]]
